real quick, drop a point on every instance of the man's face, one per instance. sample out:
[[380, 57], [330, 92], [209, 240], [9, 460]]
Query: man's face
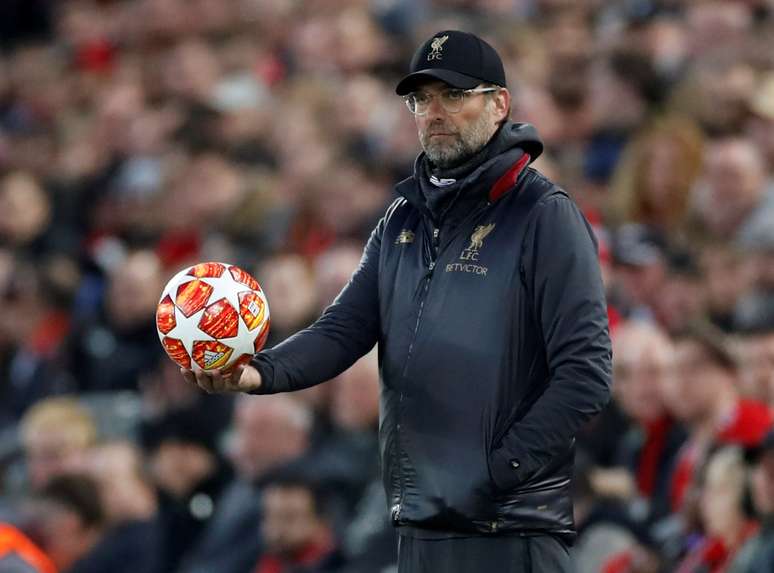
[[50, 454], [449, 139], [734, 175], [265, 436], [641, 282], [290, 519], [690, 394], [638, 376]]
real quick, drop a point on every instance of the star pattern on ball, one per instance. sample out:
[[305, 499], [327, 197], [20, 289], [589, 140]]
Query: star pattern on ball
[[187, 330], [223, 287], [242, 343]]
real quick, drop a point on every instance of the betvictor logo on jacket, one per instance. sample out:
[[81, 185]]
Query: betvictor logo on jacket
[[470, 254]]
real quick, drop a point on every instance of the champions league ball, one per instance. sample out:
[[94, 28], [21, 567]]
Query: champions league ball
[[212, 315]]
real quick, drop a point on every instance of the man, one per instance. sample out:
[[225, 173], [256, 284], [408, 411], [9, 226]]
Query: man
[[481, 286], [57, 434], [703, 394], [640, 267], [734, 201], [69, 519], [134, 538], [297, 536], [268, 433], [643, 357], [186, 466]]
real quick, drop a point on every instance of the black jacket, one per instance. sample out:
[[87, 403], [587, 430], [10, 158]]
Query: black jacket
[[493, 349]]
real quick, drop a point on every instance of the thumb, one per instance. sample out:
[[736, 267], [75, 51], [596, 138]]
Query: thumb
[[236, 373]]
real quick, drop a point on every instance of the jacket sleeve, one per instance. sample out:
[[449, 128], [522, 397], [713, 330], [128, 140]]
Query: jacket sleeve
[[347, 330], [564, 285]]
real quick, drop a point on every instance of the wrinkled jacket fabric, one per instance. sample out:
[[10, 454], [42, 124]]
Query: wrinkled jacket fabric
[[493, 349]]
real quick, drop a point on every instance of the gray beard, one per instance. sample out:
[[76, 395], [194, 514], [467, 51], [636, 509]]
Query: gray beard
[[465, 145]]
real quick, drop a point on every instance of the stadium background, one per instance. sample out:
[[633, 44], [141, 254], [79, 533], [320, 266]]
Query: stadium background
[[137, 136]]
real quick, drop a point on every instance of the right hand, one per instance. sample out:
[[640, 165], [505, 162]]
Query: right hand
[[241, 378]]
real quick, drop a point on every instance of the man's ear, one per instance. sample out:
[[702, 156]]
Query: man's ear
[[502, 103]]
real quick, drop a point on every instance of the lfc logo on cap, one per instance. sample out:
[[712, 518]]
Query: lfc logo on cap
[[435, 48]]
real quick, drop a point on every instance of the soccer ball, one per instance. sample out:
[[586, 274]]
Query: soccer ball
[[212, 315]]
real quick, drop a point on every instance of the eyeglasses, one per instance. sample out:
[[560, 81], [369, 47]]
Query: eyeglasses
[[452, 99]]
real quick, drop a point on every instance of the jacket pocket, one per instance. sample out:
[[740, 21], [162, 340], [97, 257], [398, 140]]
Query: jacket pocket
[[498, 465], [503, 472], [508, 479]]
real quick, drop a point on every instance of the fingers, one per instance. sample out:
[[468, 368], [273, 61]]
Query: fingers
[[212, 381], [235, 375], [188, 375]]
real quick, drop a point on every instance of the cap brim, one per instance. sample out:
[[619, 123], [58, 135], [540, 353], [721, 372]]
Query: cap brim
[[409, 83]]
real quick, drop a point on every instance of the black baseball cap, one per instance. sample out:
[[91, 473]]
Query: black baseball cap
[[460, 59]]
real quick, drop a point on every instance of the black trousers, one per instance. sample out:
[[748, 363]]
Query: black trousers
[[500, 554]]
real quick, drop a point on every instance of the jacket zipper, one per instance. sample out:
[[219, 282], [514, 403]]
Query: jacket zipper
[[434, 251], [428, 276], [425, 288]]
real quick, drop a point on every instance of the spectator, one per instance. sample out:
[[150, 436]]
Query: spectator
[[34, 330], [606, 534], [190, 474], [728, 279], [25, 211], [267, 434], [643, 358], [654, 178], [683, 295], [124, 336], [296, 536], [70, 520], [639, 265], [704, 395], [344, 460], [126, 493], [57, 434], [132, 538], [725, 524], [732, 201]]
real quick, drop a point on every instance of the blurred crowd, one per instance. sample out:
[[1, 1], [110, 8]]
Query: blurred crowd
[[138, 136]]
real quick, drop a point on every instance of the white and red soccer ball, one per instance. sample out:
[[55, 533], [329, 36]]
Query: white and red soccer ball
[[212, 315]]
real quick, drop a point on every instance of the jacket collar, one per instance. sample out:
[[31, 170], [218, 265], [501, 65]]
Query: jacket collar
[[516, 145]]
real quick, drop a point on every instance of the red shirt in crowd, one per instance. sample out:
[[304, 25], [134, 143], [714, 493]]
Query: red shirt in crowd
[[312, 554], [745, 427]]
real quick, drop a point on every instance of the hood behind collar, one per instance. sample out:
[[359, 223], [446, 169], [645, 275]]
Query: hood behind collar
[[521, 135]]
